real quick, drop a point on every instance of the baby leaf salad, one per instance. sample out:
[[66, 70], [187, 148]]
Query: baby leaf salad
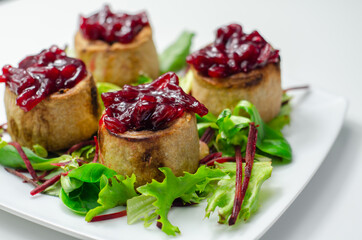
[[229, 179], [231, 128]]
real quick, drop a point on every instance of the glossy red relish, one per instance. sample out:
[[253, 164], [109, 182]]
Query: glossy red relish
[[113, 27], [40, 75], [149, 106], [233, 51]]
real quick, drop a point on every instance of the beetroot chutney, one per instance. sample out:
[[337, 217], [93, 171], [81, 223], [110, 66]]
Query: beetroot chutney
[[233, 51], [148, 106], [41, 75], [112, 27]]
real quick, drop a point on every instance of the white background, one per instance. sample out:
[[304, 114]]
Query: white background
[[320, 44]]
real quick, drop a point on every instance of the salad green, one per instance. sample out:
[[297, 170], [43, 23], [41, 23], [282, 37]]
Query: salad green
[[283, 118], [232, 129], [9, 157], [93, 188], [164, 194], [224, 191], [173, 58], [142, 79], [40, 151]]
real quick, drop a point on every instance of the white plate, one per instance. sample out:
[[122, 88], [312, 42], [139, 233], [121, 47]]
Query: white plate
[[316, 120]]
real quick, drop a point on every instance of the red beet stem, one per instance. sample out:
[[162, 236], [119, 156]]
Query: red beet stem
[[22, 176], [210, 157], [109, 216], [220, 160], [81, 162], [95, 159], [45, 173], [178, 202], [159, 224], [296, 88], [80, 145], [285, 102], [242, 186], [207, 136], [4, 127], [238, 183], [46, 184], [60, 164], [42, 177], [25, 159], [21, 170]]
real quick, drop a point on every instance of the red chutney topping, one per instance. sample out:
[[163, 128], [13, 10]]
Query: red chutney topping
[[112, 27], [149, 106], [233, 51], [41, 75]]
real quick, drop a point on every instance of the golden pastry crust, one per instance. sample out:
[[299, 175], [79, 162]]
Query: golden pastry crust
[[262, 87], [119, 63], [57, 122], [143, 152]]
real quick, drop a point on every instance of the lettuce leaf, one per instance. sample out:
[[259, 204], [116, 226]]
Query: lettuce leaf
[[86, 153], [80, 188], [115, 191], [82, 199], [232, 129], [163, 195], [40, 151], [173, 58], [283, 118], [269, 140], [9, 157], [103, 87], [223, 196], [141, 207], [142, 79], [93, 188], [2, 143], [91, 172], [186, 82]]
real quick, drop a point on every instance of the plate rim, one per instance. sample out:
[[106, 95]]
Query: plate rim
[[343, 115]]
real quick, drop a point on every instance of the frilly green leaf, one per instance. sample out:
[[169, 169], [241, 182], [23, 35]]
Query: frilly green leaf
[[223, 197], [116, 192], [173, 187], [232, 129]]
